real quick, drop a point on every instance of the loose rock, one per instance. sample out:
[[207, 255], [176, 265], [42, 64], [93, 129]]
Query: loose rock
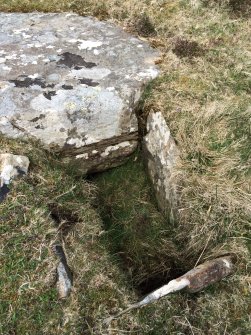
[[64, 274], [11, 166], [72, 83], [64, 283]]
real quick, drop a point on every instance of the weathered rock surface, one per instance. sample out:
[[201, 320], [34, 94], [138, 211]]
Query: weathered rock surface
[[162, 156], [73, 83]]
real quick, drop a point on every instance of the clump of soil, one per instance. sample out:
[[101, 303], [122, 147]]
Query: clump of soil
[[184, 48], [64, 218], [237, 7], [144, 26], [241, 7]]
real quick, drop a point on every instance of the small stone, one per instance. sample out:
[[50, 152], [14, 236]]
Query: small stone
[[64, 283], [12, 166], [64, 274]]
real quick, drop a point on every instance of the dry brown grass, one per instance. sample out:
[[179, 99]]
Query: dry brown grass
[[236, 8]]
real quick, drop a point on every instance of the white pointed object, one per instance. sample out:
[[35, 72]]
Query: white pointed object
[[173, 286]]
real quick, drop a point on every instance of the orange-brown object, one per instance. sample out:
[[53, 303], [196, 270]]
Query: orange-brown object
[[208, 273]]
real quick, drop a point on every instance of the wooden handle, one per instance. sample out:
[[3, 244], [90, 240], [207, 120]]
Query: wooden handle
[[208, 273]]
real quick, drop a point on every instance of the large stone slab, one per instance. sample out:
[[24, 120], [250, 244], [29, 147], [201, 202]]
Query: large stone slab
[[72, 83]]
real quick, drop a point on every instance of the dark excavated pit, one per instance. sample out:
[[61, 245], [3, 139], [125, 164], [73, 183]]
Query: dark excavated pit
[[138, 236], [151, 281], [154, 282]]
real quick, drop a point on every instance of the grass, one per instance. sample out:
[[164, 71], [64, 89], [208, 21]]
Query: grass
[[204, 93], [29, 301], [113, 262]]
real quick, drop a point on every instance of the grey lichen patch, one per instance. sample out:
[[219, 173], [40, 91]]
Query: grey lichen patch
[[72, 133]]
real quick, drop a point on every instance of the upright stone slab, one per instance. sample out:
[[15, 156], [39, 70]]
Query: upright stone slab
[[72, 83], [162, 157]]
